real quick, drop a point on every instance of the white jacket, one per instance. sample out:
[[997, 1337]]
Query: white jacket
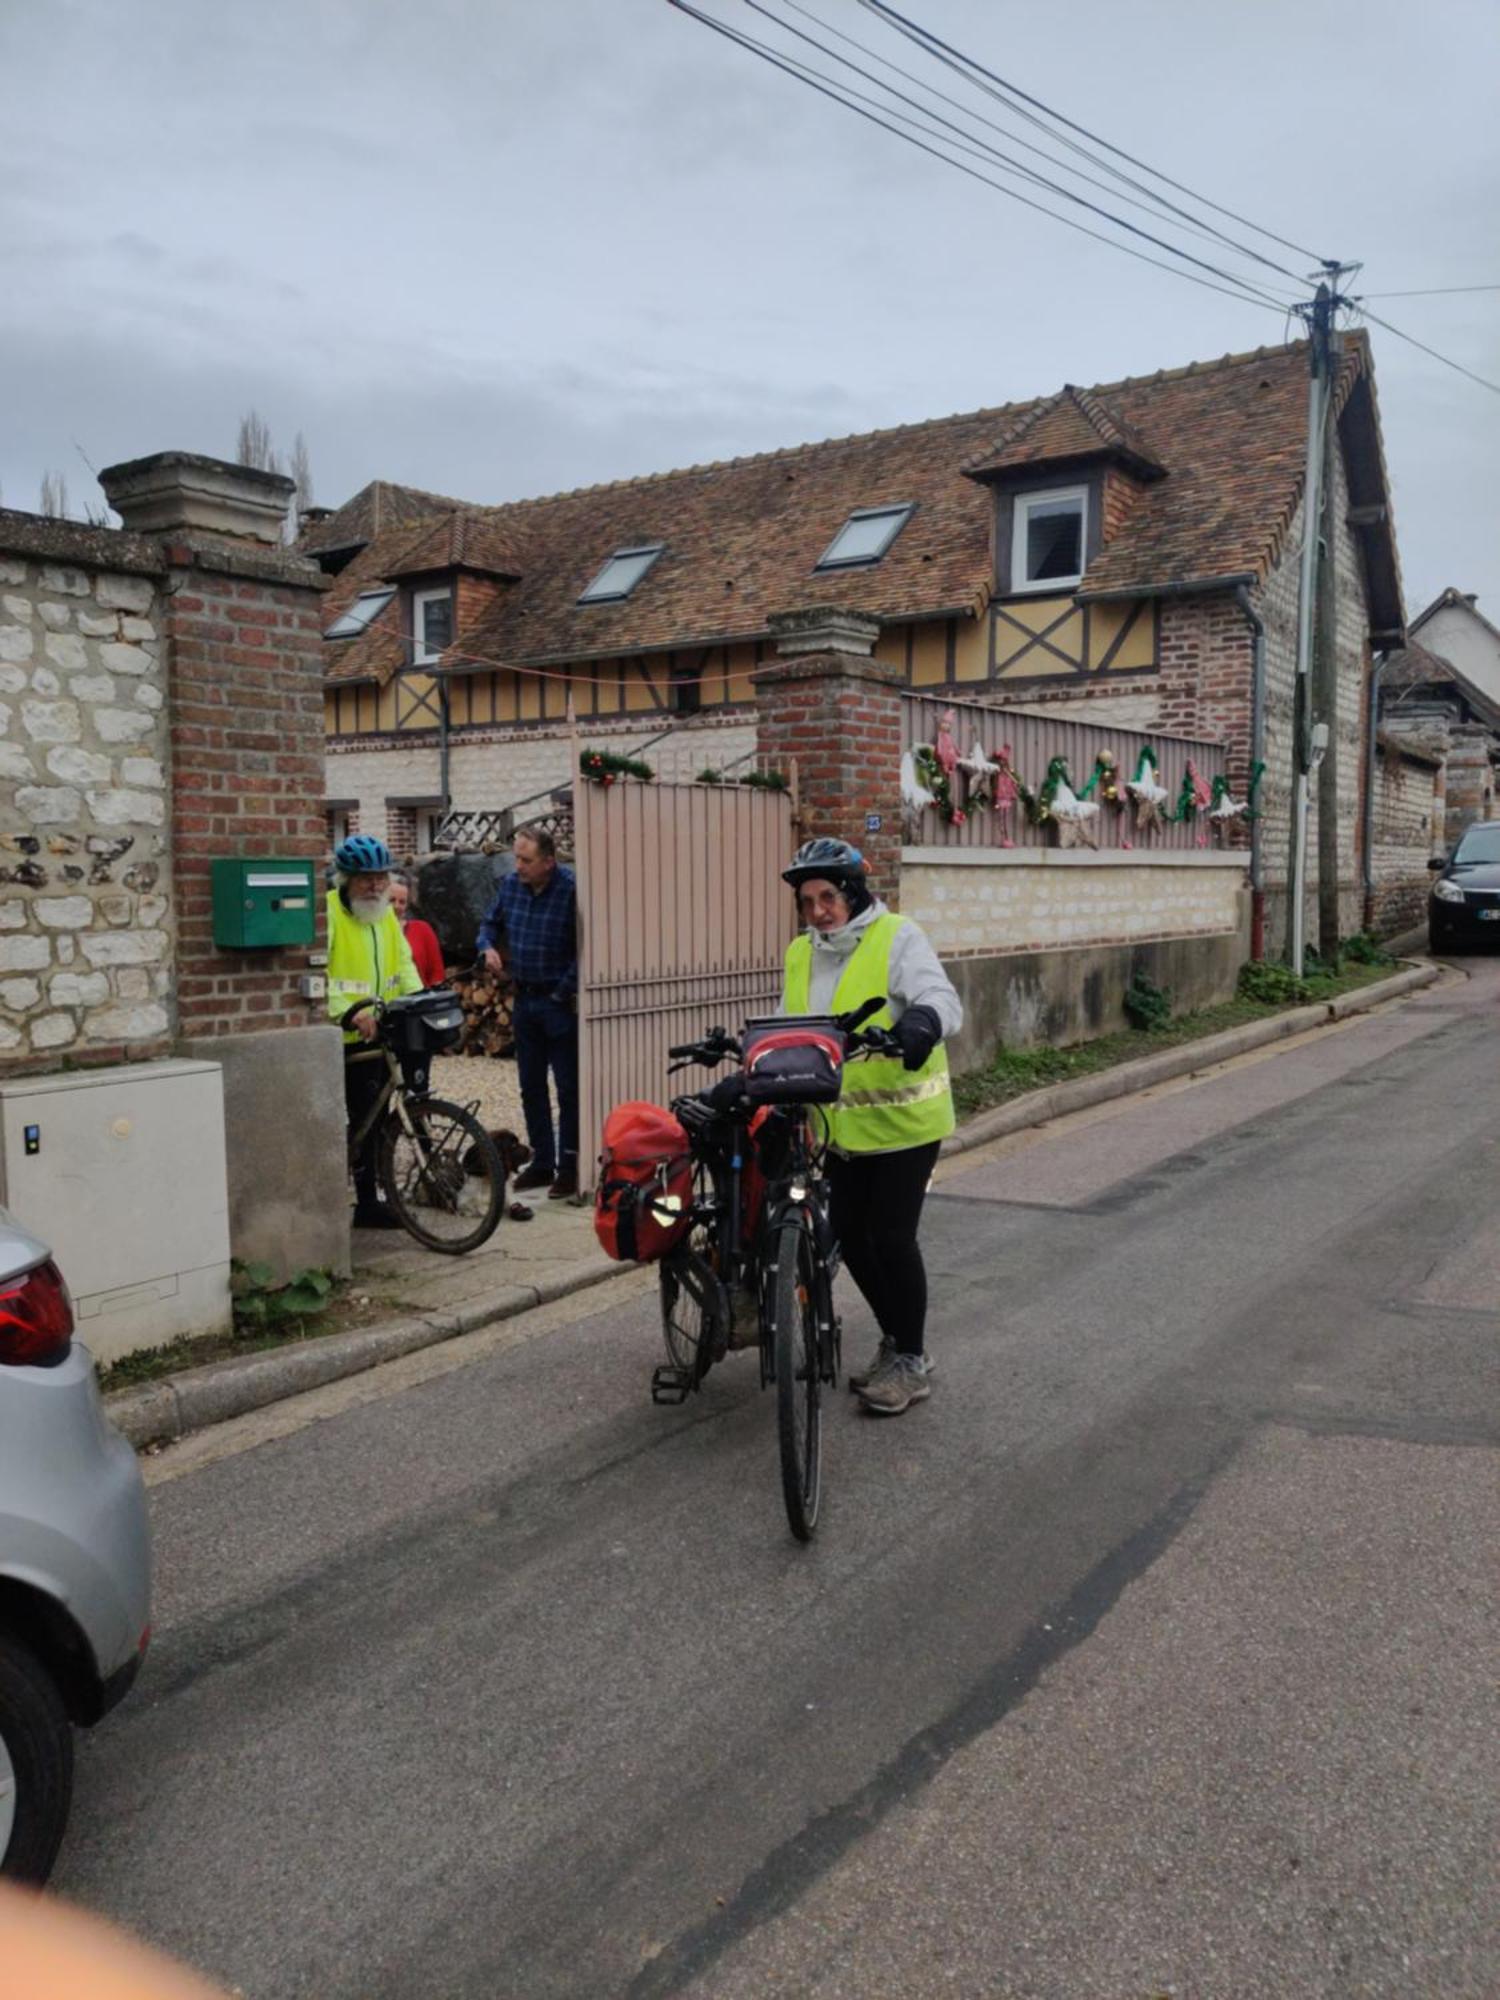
[[916, 977]]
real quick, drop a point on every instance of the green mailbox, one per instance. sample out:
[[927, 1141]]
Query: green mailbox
[[263, 902]]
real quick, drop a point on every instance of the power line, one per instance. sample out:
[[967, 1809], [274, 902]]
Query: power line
[[1153, 203], [967, 65], [980, 148], [1446, 360], [1244, 292], [1435, 292]]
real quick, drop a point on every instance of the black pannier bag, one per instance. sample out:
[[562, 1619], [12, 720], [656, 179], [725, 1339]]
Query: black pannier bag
[[425, 1024], [793, 1059]]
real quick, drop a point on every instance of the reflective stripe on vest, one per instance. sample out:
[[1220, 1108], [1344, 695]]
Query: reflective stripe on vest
[[883, 1105]]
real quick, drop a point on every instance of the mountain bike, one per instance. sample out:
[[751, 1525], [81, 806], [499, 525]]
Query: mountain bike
[[756, 1261], [439, 1169]]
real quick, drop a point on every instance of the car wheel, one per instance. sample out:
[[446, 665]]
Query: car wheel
[[36, 1765]]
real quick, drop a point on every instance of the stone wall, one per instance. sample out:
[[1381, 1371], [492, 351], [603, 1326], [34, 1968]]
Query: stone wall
[[1407, 827], [86, 918], [981, 901]]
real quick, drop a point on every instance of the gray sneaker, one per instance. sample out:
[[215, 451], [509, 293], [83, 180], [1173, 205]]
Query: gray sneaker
[[894, 1388], [884, 1355]]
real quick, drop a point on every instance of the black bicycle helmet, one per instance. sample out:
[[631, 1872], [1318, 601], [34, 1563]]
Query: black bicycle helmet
[[829, 860]]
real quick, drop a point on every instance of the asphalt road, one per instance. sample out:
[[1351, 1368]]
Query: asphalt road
[[1154, 1653]]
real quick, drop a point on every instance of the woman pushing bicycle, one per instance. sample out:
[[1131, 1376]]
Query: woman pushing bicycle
[[893, 1112]]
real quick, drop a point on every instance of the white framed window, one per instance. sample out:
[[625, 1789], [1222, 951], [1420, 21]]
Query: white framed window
[[621, 574], [1048, 538], [349, 624], [864, 537], [429, 819], [431, 624]]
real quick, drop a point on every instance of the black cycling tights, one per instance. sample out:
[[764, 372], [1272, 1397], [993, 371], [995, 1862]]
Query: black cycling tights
[[877, 1205]]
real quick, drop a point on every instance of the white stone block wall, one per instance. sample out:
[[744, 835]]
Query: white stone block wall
[[490, 773], [86, 932], [1036, 901]]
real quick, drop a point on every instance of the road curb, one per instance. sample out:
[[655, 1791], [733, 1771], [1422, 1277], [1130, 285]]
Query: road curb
[[1056, 1100], [161, 1412]]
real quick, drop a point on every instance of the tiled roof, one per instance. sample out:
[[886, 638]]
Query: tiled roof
[[1414, 666], [743, 538], [464, 539], [1073, 425], [380, 506]]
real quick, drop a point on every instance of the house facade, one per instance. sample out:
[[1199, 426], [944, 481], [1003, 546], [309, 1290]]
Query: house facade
[[1126, 554], [1444, 688]]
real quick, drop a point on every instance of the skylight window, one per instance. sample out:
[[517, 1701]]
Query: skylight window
[[864, 537], [368, 605], [621, 574]]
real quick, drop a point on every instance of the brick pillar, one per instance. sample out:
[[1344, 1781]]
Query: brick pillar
[[241, 621], [827, 705]]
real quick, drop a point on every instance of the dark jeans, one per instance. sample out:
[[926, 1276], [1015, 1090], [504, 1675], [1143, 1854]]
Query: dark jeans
[[877, 1204], [363, 1083], [547, 1039]]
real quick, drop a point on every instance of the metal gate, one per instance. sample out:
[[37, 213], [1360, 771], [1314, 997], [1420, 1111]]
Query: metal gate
[[684, 921]]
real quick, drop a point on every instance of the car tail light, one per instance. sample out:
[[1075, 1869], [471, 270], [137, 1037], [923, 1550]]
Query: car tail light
[[36, 1318]]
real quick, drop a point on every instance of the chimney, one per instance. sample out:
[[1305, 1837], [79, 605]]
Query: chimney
[[181, 490], [823, 628]]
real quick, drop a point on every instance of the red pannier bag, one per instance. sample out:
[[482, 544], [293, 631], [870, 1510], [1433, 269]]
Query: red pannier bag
[[644, 1193]]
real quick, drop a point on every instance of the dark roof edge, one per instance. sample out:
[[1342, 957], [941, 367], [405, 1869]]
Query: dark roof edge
[[47, 539], [1191, 587]]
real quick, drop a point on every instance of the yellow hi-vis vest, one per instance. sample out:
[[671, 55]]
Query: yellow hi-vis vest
[[884, 1106], [365, 961]]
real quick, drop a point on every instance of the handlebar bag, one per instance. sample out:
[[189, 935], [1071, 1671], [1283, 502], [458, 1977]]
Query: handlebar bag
[[644, 1192], [424, 1024], [793, 1060]]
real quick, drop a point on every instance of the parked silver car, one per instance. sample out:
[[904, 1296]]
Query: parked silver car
[[75, 1554]]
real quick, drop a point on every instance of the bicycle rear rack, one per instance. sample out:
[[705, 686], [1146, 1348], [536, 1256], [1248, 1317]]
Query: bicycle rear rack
[[671, 1385]]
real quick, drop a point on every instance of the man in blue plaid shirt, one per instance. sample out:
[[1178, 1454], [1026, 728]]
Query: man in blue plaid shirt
[[531, 932]]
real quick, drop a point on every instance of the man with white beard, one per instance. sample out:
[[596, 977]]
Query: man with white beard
[[368, 959]]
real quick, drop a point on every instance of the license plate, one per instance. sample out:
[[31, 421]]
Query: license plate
[[1488, 916]]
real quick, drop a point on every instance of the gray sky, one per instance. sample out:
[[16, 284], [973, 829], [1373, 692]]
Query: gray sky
[[502, 247]]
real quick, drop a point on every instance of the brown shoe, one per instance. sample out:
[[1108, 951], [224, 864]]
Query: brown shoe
[[565, 1185]]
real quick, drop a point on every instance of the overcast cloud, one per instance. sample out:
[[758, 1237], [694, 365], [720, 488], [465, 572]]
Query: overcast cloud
[[501, 247]]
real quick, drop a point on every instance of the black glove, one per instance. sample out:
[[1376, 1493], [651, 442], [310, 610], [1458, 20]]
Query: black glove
[[918, 1031], [726, 1093]]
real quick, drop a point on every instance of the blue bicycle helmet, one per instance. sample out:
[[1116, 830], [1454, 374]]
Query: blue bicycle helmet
[[826, 860], [362, 854]]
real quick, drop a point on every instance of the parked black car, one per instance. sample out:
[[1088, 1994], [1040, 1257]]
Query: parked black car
[[1464, 907]]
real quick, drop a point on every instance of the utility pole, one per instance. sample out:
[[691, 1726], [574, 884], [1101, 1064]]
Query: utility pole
[[1325, 686], [1307, 742]]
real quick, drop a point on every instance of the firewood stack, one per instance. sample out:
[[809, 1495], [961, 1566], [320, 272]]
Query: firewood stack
[[486, 1002]]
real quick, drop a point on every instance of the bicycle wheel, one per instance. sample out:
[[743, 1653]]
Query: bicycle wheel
[[692, 1306], [799, 1415], [443, 1178]]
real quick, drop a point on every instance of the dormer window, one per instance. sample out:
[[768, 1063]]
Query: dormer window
[[1048, 538], [864, 537], [367, 606], [431, 624], [621, 574]]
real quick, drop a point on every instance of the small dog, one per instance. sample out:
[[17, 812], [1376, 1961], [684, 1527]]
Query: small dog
[[514, 1154]]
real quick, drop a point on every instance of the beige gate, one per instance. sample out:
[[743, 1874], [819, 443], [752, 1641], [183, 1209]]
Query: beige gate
[[683, 921]]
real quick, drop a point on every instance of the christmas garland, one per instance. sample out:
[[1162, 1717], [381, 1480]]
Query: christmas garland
[[932, 776], [1106, 777], [767, 781], [602, 767]]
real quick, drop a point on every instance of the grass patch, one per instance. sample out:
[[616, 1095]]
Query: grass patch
[[346, 1307], [1013, 1072]]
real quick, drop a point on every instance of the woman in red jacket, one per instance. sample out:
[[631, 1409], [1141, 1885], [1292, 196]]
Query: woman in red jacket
[[427, 953]]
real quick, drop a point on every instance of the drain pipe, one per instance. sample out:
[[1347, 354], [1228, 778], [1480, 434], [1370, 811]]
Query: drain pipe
[[1257, 756], [1367, 803]]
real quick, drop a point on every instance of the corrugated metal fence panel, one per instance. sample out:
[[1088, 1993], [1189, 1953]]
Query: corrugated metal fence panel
[[1034, 741], [683, 925]]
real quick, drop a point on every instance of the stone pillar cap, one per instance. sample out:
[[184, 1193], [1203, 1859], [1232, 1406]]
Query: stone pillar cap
[[823, 628], [176, 490]]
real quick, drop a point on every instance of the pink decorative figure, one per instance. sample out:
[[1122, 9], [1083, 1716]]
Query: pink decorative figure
[[1202, 790], [945, 749]]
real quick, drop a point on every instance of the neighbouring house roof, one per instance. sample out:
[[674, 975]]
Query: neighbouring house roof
[[1414, 666], [462, 539], [1456, 600], [1218, 445]]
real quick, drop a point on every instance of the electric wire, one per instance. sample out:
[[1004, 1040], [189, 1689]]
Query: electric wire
[[969, 68], [1412, 341], [1243, 290], [1151, 205], [1433, 292]]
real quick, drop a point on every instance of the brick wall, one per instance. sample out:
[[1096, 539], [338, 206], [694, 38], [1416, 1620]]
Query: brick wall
[[247, 750], [1406, 829], [838, 716], [85, 896]]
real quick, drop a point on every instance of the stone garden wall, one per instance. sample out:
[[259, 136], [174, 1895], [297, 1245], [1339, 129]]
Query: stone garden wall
[[85, 883]]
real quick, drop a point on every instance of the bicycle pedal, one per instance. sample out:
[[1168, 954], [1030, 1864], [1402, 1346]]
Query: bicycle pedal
[[670, 1385]]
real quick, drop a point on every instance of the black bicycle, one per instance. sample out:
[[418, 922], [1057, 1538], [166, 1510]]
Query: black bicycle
[[439, 1169], [756, 1263]]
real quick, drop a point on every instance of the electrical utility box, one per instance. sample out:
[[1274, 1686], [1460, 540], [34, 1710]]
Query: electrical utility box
[[263, 903], [121, 1171]]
